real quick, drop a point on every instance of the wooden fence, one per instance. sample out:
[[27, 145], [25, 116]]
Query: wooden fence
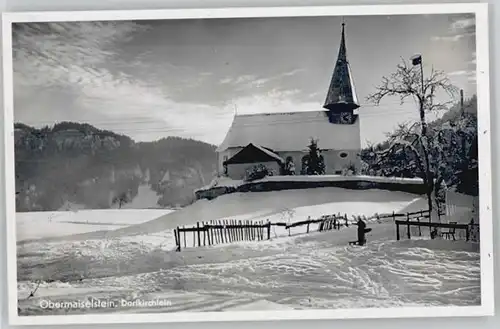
[[409, 215], [409, 224], [227, 231], [223, 231], [326, 223]]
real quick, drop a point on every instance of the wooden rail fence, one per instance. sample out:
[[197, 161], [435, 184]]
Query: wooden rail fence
[[409, 223], [411, 215], [227, 231], [326, 223], [223, 231]]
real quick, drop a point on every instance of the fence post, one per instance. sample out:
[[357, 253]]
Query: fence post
[[204, 234], [199, 233], [467, 233], [408, 226], [216, 231], [184, 238], [269, 230], [346, 222], [176, 240], [235, 230], [213, 235], [175, 237], [397, 231], [209, 234], [221, 230]]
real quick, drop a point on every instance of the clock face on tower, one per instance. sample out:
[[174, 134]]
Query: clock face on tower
[[345, 117]]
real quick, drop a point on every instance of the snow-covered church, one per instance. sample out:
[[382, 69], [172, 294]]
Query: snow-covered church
[[275, 138]]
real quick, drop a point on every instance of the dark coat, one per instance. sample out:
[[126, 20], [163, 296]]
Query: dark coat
[[361, 232]]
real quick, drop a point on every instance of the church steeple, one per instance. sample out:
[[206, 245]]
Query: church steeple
[[341, 96]]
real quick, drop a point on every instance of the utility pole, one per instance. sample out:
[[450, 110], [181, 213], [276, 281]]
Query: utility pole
[[429, 177]]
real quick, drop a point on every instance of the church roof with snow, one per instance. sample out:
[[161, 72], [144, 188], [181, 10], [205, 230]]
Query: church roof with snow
[[254, 153], [290, 131]]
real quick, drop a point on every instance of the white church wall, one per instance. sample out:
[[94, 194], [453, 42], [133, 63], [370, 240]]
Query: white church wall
[[334, 162], [337, 160], [237, 171], [296, 158], [225, 155]]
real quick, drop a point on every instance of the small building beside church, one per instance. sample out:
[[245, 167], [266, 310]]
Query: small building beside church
[[273, 138]]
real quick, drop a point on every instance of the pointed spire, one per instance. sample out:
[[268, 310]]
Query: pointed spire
[[341, 94]]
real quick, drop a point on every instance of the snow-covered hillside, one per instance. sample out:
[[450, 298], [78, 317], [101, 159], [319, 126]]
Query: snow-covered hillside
[[315, 270], [49, 224], [318, 270], [146, 198], [330, 200]]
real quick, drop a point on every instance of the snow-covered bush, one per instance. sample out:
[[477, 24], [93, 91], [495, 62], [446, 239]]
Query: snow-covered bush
[[349, 170], [257, 172]]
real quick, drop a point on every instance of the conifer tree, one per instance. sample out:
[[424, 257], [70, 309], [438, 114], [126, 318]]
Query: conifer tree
[[313, 163]]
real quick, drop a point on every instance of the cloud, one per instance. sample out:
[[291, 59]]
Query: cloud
[[473, 60], [462, 76], [45, 53], [452, 38], [81, 64], [472, 77], [274, 101], [459, 73], [463, 24], [249, 81], [76, 59], [459, 29]]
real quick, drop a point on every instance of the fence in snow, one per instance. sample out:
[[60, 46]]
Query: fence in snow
[[449, 230], [228, 231], [222, 231]]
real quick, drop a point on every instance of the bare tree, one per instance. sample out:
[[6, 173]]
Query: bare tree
[[407, 82]]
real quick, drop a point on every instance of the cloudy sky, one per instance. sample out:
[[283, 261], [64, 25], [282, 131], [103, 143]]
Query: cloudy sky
[[152, 79]]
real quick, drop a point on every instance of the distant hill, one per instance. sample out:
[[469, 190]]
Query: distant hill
[[74, 163]]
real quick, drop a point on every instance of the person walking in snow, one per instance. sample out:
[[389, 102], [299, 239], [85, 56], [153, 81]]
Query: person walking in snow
[[361, 232]]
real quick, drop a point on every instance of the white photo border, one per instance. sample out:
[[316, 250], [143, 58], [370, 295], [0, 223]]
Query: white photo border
[[484, 132]]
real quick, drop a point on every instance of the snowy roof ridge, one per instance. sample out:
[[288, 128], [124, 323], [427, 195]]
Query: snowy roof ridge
[[271, 154], [276, 113], [291, 131]]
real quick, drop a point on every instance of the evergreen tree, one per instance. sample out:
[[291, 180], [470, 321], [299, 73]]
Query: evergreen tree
[[313, 163]]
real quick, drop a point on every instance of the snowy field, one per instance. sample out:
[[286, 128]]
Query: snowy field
[[45, 224], [301, 271]]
